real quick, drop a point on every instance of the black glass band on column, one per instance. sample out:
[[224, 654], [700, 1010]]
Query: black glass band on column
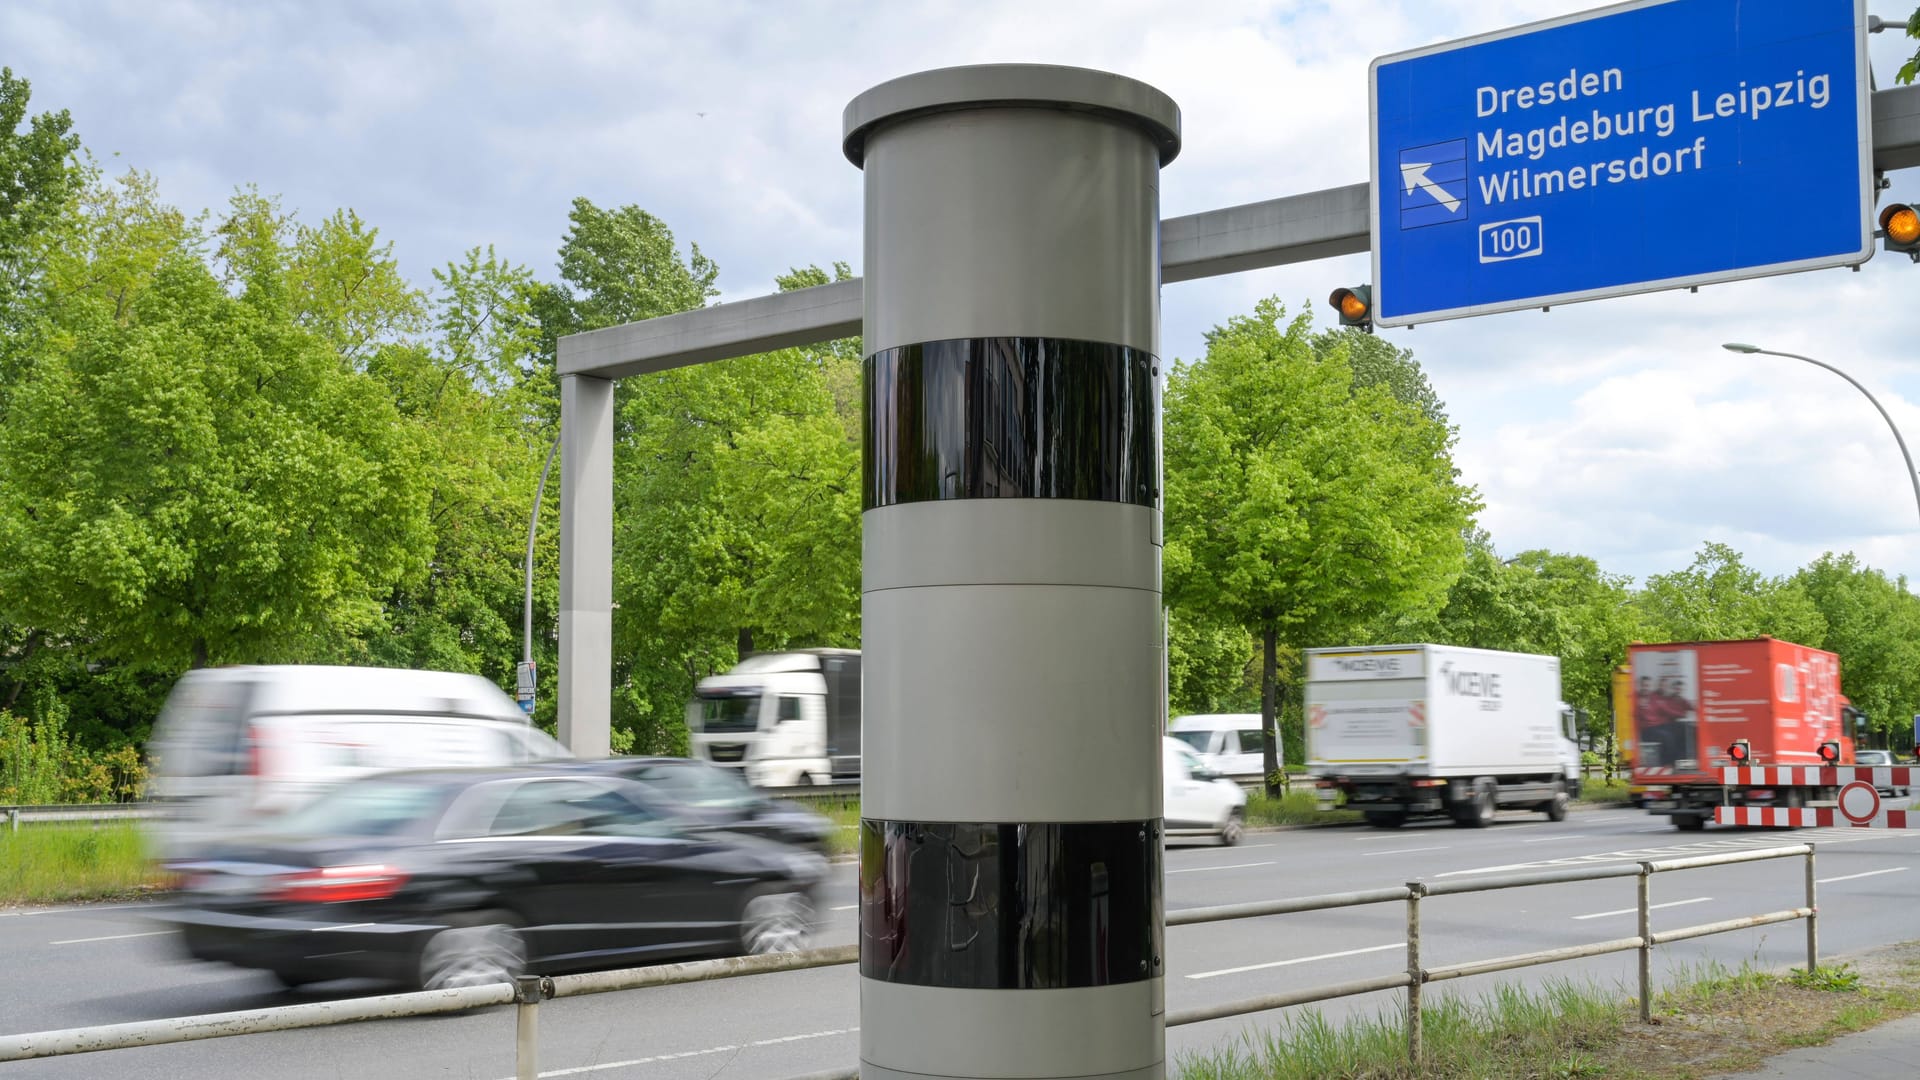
[[1010, 907], [1008, 417]]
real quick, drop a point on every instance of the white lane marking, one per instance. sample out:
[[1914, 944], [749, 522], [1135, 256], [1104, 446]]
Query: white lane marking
[[1229, 866], [110, 937], [1825, 837], [1405, 850], [1545, 839], [1297, 960], [580, 1069], [1856, 877], [848, 907], [1650, 907]]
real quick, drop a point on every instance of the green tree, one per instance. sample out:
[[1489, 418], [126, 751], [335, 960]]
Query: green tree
[[737, 521], [1720, 598], [1873, 623], [40, 177], [1300, 506], [192, 476]]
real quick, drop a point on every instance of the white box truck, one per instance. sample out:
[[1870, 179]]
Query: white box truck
[[1401, 730], [785, 719]]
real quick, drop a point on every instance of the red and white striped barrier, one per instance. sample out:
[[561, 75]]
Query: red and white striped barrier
[[1859, 803], [1886, 776], [1815, 818]]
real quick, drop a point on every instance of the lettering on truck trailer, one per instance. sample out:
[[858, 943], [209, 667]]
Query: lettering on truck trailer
[[1484, 685]]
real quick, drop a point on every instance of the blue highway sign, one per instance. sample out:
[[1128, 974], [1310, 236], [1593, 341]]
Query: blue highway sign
[[1656, 144]]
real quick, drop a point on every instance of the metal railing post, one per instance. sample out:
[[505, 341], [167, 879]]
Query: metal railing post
[[528, 992], [1813, 916], [1646, 942], [1415, 976]]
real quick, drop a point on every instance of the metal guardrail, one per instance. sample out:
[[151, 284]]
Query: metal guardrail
[[529, 991], [90, 812]]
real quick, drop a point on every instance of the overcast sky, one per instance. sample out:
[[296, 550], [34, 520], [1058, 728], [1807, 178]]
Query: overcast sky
[[1618, 428]]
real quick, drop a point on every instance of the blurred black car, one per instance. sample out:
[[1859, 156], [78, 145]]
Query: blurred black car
[[721, 798], [465, 877]]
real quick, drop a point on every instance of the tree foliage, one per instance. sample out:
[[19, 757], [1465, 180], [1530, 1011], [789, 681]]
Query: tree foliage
[[1301, 505]]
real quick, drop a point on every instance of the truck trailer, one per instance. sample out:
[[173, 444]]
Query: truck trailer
[[1700, 706], [785, 719], [1396, 731]]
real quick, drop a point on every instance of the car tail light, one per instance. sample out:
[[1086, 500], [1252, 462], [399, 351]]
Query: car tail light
[[338, 884], [1429, 783]]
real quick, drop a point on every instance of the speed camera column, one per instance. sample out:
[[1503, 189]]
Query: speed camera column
[[1010, 878]]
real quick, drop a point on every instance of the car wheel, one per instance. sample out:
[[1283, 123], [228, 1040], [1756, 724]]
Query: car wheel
[[1556, 807], [485, 948], [1235, 827], [1689, 822], [773, 921]]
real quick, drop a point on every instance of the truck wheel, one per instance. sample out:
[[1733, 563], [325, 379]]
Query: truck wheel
[[1556, 807], [1477, 813], [1689, 822], [1386, 819]]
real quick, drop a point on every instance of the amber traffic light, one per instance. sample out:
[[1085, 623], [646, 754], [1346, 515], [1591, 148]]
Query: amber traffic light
[[1900, 228], [1355, 305]]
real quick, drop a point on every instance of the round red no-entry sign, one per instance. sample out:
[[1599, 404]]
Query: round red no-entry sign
[[1859, 802]]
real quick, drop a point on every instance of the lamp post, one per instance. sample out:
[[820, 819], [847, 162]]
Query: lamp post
[[524, 674], [1912, 476]]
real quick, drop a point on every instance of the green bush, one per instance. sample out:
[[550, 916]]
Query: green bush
[[39, 764]]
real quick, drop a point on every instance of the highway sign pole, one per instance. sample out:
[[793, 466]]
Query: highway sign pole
[[1655, 144]]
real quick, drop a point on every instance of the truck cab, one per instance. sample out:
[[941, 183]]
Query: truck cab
[[785, 719]]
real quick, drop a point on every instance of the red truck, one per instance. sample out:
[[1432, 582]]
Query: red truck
[[1698, 704]]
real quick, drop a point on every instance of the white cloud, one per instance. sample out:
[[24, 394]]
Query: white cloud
[[1619, 428]]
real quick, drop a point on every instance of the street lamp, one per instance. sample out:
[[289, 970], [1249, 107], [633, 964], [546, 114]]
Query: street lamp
[[524, 675], [1912, 476]]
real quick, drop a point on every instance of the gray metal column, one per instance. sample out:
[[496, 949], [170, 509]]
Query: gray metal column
[[1010, 877], [586, 565]]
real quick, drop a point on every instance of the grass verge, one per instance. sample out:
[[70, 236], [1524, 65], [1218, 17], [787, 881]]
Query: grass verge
[[1600, 791], [1294, 808], [1711, 1021], [54, 863]]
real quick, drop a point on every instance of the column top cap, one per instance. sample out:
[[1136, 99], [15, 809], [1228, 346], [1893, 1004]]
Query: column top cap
[[1041, 86]]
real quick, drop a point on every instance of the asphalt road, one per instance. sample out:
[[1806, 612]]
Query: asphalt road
[[71, 967]]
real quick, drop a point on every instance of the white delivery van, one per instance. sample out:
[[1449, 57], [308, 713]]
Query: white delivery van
[[1232, 744], [1199, 801], [1400, 730], [235, 746], [784, 719]]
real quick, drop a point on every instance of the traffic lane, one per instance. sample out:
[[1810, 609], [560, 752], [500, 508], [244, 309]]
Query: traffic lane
[[104, 947], [1856, 916], [716, 1028], [793, 1023]]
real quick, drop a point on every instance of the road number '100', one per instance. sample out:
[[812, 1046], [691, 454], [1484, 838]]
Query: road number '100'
[[1515, 239]]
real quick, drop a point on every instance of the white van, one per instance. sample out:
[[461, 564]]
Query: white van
[[1199, 801], [235, 745], [1232, 744]]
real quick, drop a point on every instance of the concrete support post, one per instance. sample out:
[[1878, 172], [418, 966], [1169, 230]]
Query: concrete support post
[[586, 565], [1011, 917]]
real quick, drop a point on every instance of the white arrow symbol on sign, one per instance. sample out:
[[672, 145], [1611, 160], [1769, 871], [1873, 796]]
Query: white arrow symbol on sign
[[1415, 175]]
